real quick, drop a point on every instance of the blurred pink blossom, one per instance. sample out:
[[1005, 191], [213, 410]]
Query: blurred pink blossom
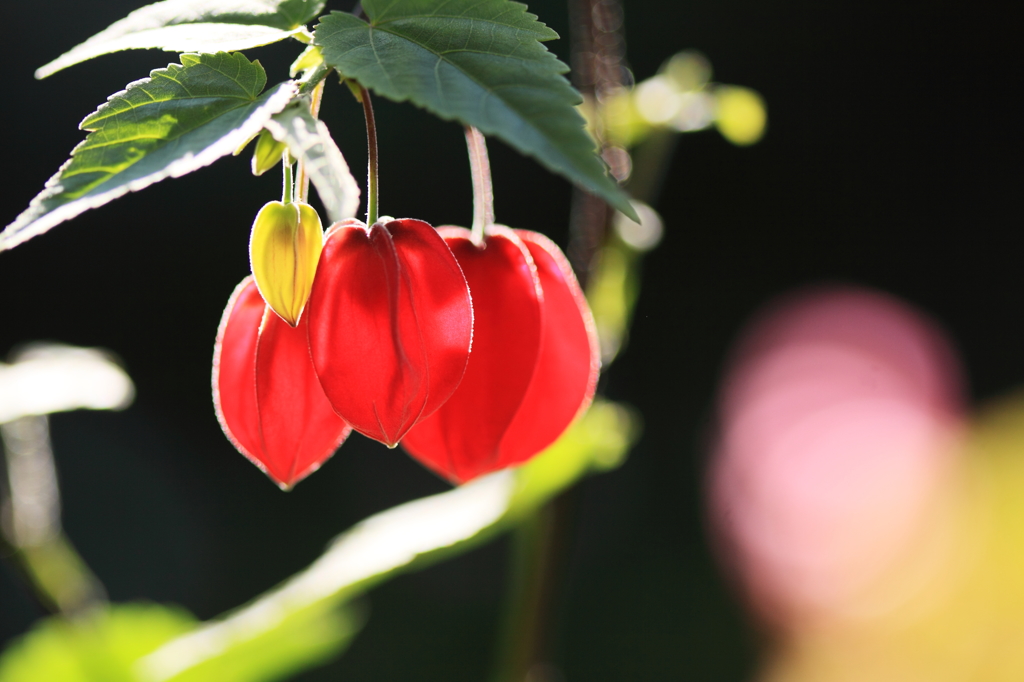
[[836, 417]]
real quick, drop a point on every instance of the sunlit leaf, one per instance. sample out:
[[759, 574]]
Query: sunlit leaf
[[480, 62], [263, 642], [48, 378], [309, 140], [409, 536], [178, 120], [99, 647], [194, 26]]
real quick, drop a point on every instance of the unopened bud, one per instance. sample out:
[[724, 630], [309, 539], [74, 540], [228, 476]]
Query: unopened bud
[[267, 154], [284, 249]]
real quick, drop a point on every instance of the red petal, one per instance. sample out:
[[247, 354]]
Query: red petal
[[441, 297], [234, 370], [300, 428], [463, 438], [569, 361], [268, 399], [390, 324]]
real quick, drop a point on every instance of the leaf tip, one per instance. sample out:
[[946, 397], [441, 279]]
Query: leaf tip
[[624, 206]]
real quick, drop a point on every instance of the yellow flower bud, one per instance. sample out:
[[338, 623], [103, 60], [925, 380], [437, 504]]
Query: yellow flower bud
[[284, 249]]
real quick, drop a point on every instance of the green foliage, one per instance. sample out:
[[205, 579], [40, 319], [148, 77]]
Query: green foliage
[[194, 26], [98, 647], [179, 119], [112, 645], [309, 618], [266, 644], [406, 537], [480, 62]]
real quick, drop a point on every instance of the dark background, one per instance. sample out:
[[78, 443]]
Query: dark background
[[888, 162]]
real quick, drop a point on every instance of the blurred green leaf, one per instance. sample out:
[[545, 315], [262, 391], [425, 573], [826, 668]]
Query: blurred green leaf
[[409, 536], [480, 62], [264, 642], [194, 26], [307, 620], [178, 120], [597, 442], [99, 647]]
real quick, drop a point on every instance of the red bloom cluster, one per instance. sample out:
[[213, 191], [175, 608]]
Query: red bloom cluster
[[534, 364], [391, 344]]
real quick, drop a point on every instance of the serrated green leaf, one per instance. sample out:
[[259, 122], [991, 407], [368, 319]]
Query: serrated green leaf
[[308, 139], [480, 62], [179, 119], [195, 26]]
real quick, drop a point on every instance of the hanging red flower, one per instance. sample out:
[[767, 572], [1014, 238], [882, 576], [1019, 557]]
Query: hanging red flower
[[390, 324], [266, 394], [535, 359]]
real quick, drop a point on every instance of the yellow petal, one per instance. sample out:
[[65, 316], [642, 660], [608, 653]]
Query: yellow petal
[[284, 249]]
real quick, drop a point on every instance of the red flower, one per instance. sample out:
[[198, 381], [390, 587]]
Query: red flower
[[534, 364], [266, 394], [390, 324]]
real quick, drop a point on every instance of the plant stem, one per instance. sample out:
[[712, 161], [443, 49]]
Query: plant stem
[[371, 155], [62, 581], [302, 182], [539, 545], [289, 182], [483, 191], [598, 71]]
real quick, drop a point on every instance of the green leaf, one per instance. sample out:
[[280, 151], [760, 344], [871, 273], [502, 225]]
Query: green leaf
[[480, 62], [179, 119], [409, 536], [308, 139], [195, 26], [261, 643], [98, 647]]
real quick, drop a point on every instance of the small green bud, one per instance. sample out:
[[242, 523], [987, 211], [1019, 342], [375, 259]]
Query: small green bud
[[267, 154]]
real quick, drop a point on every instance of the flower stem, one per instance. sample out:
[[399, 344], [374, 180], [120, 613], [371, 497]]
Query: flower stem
[[289, 183], [538, 563], [371, 149], [483, 191], [49, 563], [302, 182]]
